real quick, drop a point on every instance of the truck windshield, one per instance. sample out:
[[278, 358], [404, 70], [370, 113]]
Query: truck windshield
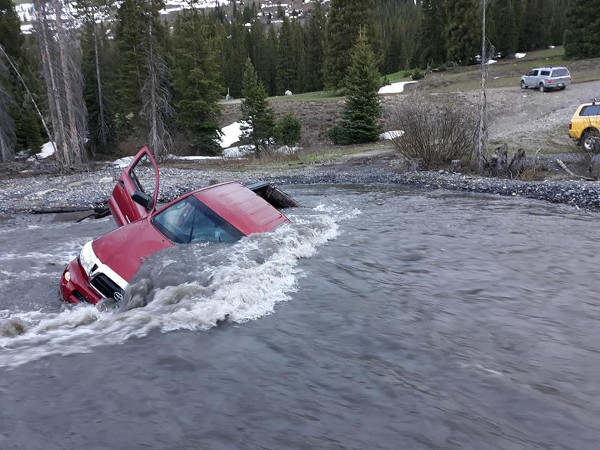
[[190, 220]]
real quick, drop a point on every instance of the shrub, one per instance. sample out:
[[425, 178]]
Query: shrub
[[417, 75], [288, 129], [435, 131]]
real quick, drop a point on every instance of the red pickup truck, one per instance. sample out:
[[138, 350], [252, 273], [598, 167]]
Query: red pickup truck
[[223, 212]]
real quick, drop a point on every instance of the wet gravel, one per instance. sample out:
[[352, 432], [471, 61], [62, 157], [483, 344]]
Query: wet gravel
[[91, 190]]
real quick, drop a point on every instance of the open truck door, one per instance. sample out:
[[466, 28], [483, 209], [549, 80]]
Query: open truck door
[[134, 196]]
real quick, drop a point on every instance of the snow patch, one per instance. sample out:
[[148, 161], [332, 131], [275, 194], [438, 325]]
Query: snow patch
[[395, 88], [47, 151], [520, 55], [230, 134], [238, 152], [389, 135], [123, 162]]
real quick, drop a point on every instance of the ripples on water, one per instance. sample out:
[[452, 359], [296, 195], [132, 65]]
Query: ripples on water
[[416, 320]]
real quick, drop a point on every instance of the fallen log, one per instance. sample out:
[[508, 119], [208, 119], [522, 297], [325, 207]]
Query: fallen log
[[566, 169]]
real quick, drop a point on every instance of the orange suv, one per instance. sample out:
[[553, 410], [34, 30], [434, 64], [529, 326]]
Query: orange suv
[[585, 125]]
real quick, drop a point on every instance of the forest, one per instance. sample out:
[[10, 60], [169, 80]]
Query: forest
[[98, 77]]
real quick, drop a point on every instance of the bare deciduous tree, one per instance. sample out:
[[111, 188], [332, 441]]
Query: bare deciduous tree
[[90, 11], [64, 83], [157, 107], [7, 126], [435, 132]]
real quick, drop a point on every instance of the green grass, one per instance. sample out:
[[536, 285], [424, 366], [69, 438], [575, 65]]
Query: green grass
[[397, 77], [307, 96]]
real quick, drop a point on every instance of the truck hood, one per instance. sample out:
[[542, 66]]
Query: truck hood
[[125, 248]]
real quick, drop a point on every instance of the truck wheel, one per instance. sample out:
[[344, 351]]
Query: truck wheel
[[590, 141], [523, 85], [542, 88]]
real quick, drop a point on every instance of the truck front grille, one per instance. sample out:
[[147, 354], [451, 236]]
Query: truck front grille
[[106, 287]]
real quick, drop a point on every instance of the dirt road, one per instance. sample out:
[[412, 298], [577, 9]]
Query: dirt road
[[522, 118]]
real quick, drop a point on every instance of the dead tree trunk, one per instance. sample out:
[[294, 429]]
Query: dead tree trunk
[[76, 145], [64, 84], [7, 126], [157, 108], [51, 79]]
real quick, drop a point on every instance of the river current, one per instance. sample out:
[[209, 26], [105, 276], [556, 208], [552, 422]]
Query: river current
[[382, 318]]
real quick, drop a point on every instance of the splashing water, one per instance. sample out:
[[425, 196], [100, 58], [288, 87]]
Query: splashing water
[[190, 287]]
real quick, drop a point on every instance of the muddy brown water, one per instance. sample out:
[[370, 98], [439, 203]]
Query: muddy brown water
[[382, 318]]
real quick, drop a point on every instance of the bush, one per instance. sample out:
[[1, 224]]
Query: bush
[[417, 75], [435, 132], [288, 129]]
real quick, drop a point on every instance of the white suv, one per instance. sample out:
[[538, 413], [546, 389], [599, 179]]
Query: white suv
[[546, 78]]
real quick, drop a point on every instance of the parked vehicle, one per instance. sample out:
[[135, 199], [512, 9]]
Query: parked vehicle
[[546, 78], [585, 125], [223, 212]]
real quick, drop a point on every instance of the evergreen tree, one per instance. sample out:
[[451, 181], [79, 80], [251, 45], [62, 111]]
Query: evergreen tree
[[535, 33], [432, 51], [398, 25], [346, 17], [135, 18], [289, 59], [195, 79], [362, 108], [234, 51], [502, 26], [463, 30], [256, 111], [315, 48], [270, 78], [582, 39], [95, 66], [24, 119]]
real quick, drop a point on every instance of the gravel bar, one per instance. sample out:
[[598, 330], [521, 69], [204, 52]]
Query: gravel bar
[[90, 190]]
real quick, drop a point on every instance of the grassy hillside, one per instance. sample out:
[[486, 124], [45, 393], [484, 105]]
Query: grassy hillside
[[505, 72]]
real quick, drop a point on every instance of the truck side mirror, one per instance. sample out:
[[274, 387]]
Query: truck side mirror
[[141, 198]]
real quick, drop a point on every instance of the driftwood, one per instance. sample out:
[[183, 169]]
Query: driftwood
[[566, 169]]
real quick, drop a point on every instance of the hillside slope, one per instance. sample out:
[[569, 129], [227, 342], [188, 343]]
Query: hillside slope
[[522, 118]]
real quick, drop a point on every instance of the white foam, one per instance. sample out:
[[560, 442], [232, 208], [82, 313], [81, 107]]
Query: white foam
[[245, 282]]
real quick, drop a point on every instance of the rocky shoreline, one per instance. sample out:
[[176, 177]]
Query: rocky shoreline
[[46, 193]]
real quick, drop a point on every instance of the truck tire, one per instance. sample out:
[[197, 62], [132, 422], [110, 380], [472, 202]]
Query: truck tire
[[590, 142]]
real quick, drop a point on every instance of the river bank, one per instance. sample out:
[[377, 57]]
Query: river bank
[[41, 193]]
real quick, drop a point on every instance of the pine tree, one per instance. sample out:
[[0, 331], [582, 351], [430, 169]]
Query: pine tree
[[362, 108], [582, 39], [315, 48], [432, 51], [94, 67], [502, 26], [24, 119], [346, 17], [536, 20], [142, 82], [289, 58], [256, 111], [234, 51], [463, 30], [195, 79]]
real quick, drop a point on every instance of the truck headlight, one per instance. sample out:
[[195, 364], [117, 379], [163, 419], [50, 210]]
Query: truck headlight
[[87, 257]]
